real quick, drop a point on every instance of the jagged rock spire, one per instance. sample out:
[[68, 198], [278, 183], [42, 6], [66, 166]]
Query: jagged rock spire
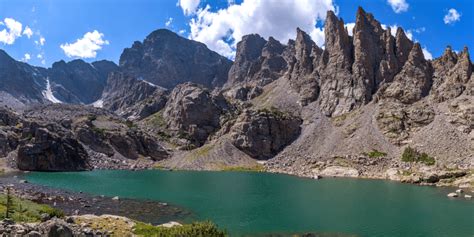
[[404, 46], [415, 79]]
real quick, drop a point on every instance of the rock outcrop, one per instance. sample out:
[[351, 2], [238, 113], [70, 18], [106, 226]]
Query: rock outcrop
[[302, 74], [257, 61], [262, 134], [193, 113], [50, 149], [132, 98], [339, 92], [451, 74], [414, 81], [166, 59]]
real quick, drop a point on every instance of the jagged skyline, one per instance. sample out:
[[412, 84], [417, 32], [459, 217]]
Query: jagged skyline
[[46, 36]]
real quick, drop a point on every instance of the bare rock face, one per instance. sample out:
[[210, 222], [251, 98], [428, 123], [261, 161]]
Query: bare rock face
[[50, 149], [79, 82], [8, 131], [339, 92], [398, 121], [403, 45], [132, 98], [193, 113], [451, 74], [301, 73], [20, 80], [247, 59], [262, 134], [414, 81], [257, 63], [369, 50], [166, 59]]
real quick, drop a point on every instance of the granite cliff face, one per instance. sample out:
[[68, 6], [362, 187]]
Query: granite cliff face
[[78, 82], [166, 59]]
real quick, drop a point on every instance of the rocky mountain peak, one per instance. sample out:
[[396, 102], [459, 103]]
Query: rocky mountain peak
[[167, 59]]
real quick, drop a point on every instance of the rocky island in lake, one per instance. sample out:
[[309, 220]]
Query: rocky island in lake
[[348, 100]]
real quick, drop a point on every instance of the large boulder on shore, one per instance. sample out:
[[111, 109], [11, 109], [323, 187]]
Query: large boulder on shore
[[262, 134], [44, 150]]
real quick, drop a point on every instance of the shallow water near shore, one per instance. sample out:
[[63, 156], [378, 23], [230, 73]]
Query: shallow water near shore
[[248, 203]]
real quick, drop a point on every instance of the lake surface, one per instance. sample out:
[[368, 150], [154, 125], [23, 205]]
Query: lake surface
[[246, 203]]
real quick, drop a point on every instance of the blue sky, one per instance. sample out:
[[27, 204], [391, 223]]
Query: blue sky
[[95, 30]]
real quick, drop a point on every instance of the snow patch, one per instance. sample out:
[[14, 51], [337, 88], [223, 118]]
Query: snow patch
[[98, 104], [48, 93]]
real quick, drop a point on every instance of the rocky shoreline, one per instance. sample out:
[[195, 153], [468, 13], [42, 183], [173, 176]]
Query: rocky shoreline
[[374, 168], [78, 203]]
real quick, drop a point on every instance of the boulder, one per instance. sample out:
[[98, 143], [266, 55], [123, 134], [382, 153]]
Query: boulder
[[262, 134], [193, 113], [339, 171], [45, 150]]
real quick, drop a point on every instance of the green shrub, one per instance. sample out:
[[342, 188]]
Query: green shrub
[[24, 210], [198, 229], [375, 154], [412, 155]]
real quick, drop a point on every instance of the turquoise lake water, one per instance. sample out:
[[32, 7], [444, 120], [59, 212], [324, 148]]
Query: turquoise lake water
[[249, 203]]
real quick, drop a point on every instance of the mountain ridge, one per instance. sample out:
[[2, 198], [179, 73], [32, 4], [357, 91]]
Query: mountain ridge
[[296, 108]]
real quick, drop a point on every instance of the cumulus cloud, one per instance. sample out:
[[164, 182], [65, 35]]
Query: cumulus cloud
[[220, 30], [28, 32], [169, 21], [189, 6], [26, 57], [398, 6], [427, 53], [452, 16], [11, 32], [85, 47]]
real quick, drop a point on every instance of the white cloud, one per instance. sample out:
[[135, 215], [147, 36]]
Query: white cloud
[[12, 31], [26, 58], [42, 40], [189, 6], [398, 6], [85, 47], [182, 32], [169, 21], [350, 28], [39, 56], [427, 53], [28, 32], [221, 30], [452, 16]]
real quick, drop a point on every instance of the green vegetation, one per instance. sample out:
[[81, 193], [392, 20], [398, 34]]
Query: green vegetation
[[99, 131], [198, 229], [157, 120], [375, 154], [199, 152], [24, 210], [257, 168], [412, 155], [275, 112], [130, 124]]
